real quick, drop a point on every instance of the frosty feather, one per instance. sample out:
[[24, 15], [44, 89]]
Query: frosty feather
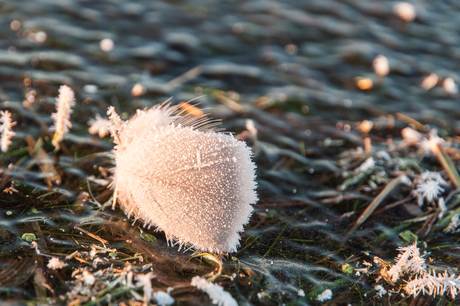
[[173, 172], [5, 129], [64, 104]]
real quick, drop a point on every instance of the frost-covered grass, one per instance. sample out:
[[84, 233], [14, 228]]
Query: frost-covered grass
[[293, 249]]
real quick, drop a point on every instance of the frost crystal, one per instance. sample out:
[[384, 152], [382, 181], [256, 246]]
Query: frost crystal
[[99, 126], [428, 187], [428, 190], [453, 224], [174, 173], [367, 165], [326, 295], [64, 104], [5, 129], [411, 136], [55, 263], [146, 283], [380, 291], [408, 260], [434, 284], [431, 144], [88, 278], [162, 298], [216, 293]]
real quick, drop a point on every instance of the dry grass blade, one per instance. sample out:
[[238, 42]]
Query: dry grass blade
[[447, 164], [187, 76], [408, 120], [14, 272], [227, 101], [401, 179]]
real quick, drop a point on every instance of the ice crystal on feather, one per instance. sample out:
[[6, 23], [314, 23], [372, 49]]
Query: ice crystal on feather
[[175, 173]]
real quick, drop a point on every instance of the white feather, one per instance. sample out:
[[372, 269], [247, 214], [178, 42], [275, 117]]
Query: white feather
[[194, 184]]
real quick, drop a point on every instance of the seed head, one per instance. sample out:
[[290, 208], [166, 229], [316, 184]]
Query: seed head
[[175, 173]]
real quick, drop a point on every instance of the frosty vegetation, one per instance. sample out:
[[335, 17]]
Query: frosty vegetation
[[62, 123], [216, 293], [100, 126], [429, 187], [421, 279], [6, 130], [55, 263], [175, 173], [325, 295]]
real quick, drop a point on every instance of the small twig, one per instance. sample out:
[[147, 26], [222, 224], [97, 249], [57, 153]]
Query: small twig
[[72, 255], [340, 198], [401, 179], [392, 205], [408, 120], [227, 101], [427, 225], [91, 235], [115, 196], [187, 76]]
